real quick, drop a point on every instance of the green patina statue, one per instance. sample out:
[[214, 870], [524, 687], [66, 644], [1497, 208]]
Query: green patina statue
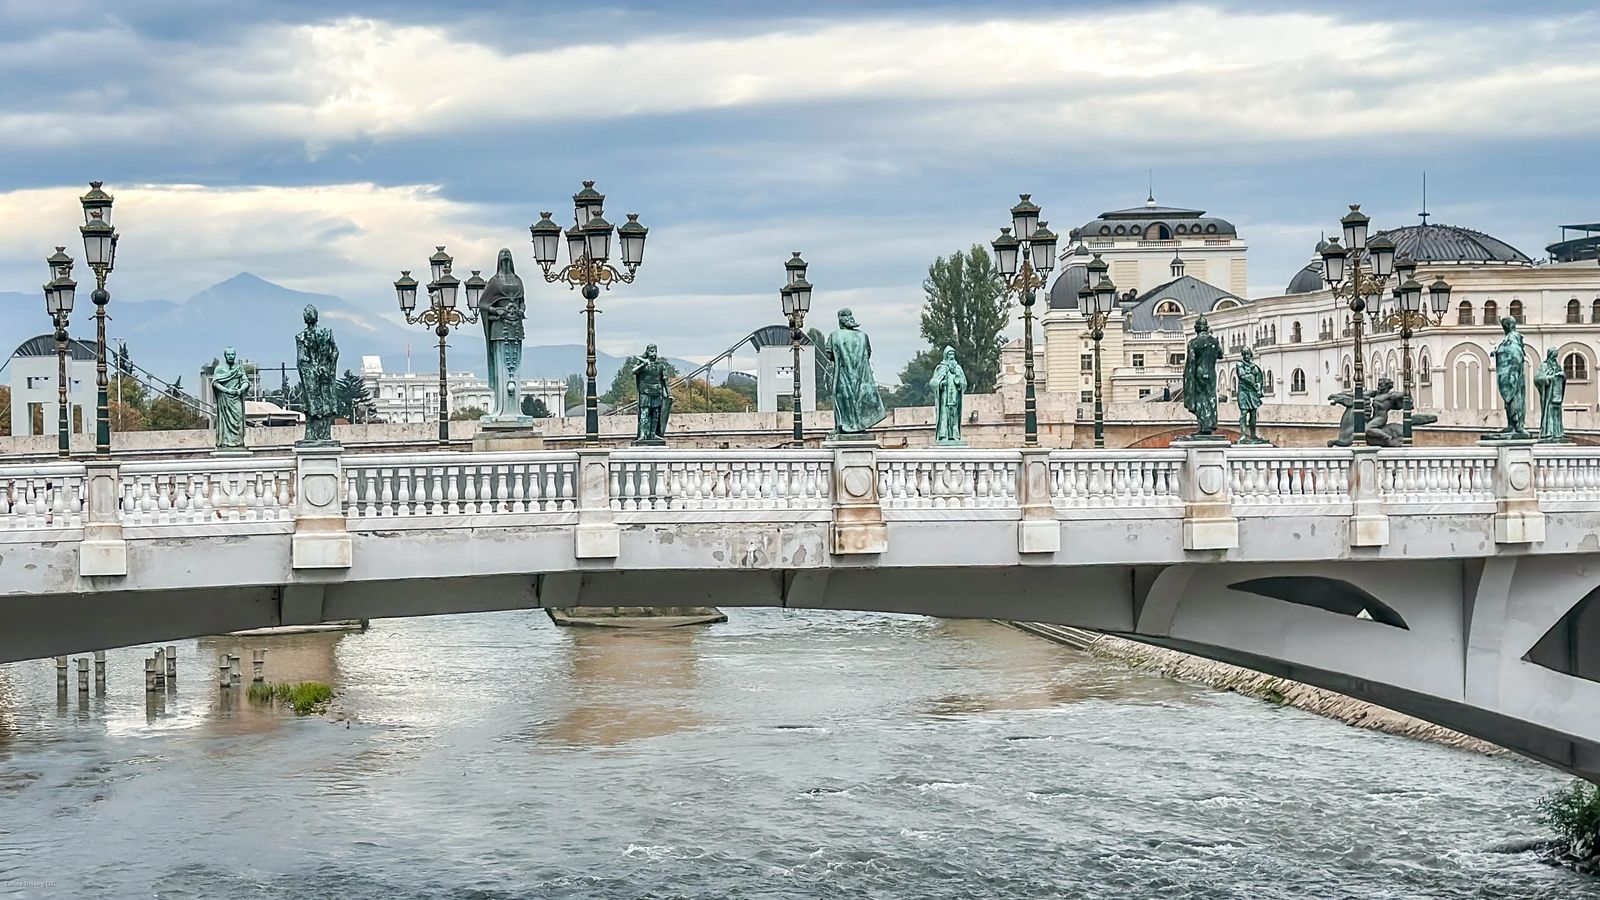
[[655, 398], [949, 383], [229, 384], [317, 358], [1551, 382], [1509, 358], [1200, 378], [856, 404], [1249, 393], [502, 307]]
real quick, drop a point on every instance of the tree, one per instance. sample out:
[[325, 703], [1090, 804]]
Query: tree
[[123, 361], [170, 414], [913, 388], [821, 368], [350, 392], [574, 392], [535, 407], [697, 395], [967, 309], [467, 414], [130, 401], [5, 410]]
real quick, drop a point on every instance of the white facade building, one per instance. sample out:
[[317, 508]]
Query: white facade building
[[775, 369], [34, 397], [413, 397]]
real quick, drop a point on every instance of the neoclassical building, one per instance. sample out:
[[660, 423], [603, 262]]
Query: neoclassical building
[[1302, 338]]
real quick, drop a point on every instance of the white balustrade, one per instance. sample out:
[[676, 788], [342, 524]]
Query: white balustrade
[[459, 484], [948, 479], [1430, 476], [197, 492], [656, 480], [1116, 479], [1272, 476], [35, 497], [1566, 473]]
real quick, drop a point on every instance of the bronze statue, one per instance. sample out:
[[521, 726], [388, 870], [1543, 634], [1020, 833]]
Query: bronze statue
[[650, 378], [1380, 432], [317, 358], [1552, 384], [1200, 378], [502, 306], [1251, 385], [1509, 358]]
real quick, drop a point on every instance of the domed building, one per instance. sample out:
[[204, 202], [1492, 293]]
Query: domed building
[[35, 402]]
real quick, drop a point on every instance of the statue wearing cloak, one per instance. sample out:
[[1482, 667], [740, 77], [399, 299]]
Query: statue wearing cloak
[[650, 379], [502, 307], [1200, 377], [229, 384], [856, 404], [1509, 358], [1551, 382], [1251, 385], [317, 359], [948, 383]]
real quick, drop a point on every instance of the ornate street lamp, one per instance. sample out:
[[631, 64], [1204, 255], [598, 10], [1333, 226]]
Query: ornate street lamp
[[1355, 272], [1036, 245], [588, 249], [796, 298], [1096, 303], [440, 315], [100, 251], [1409, 313], [59, 294]]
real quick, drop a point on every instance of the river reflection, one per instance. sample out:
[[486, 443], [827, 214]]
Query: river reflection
[[781, 754]]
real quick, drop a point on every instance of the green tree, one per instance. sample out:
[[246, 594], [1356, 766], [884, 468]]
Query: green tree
[[698, 395], [533, 406], [354, 404], [574, 391], [966, 308], [822, 369], [170, 414], [130, 404], [467, 414], [5, 410], [913, 388]]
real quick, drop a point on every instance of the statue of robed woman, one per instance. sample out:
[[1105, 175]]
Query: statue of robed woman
[[317, 359], [949, 384], [856, 404], [229, 384], [1551, 382], [1200, 378], [502, 308], [1509, 358]]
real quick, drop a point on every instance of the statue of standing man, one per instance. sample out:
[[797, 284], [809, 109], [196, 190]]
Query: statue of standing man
[[949, 383], [1200, 378], [317, 359], [1509, 358], [856, 404], [1552, 384], [229, 384], [503, 306], [655, 398], [1251, 386]]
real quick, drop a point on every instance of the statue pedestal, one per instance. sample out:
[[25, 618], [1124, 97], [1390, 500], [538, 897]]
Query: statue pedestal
[[231, 452], [649, 442], [516, 433], [858, 440], [1201, 439], [955, 443]]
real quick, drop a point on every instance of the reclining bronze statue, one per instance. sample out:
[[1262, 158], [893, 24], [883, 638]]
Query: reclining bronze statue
[[1380, 432]]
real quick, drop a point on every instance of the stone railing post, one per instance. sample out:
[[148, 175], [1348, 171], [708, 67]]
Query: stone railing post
[[1369, 524], [1517, 519], [1208, 520], [103, 551], [597, 535], [320, 539], [1040, 530], [858, 525]]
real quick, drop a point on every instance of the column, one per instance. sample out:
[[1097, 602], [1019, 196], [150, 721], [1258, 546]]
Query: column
[[1369, 524], [1517, 519], [858, 526], [1208, 520], [1040, 530], [597, 535], [103, 551], [320, 539]]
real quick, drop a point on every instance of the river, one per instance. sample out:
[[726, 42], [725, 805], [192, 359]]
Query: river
[[781, 754]]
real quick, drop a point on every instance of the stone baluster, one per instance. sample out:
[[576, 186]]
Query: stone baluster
[[103, 551], [320, 539], [1208, 520], [1517, 519]]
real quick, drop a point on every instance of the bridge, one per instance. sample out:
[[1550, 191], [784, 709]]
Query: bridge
[[1457, 585]]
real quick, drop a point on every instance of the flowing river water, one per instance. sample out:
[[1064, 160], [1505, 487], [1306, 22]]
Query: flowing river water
[[781, 754]]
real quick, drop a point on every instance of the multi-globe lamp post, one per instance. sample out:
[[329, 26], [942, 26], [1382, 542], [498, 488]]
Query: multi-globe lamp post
[[1409, 314], [796, 299], [1096, 299], [100, 251], [58, 297], [1029, 239], [588, 251], [1356, 272], [441, 315]]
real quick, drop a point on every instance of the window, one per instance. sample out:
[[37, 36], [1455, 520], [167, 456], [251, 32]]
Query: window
[[38, 381], [1266, 382], [1516, 311], [1169, 308], [1464, 313], [1086, 362], [1174, 359], [1594, 311], [1575, 367], [1574, 311], [1138, 360], [1424, 371], [1163, 233], [1144, 393], [1297, 381], [1294, 334], [1086, 397], [1491, 313]]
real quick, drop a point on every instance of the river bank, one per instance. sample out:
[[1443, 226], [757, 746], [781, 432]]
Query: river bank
[[1187, 667]]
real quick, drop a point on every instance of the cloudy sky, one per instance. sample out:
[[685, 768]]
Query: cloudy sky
[[325, 145]]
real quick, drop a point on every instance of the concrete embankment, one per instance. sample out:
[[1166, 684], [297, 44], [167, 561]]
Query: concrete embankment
[[1186, 667]]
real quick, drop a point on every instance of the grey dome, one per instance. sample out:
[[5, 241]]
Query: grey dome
[[45, 345], [1453, 244], [1064, 293], [1306, 280]]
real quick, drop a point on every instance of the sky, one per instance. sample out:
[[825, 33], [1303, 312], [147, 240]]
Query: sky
[[326, 145]]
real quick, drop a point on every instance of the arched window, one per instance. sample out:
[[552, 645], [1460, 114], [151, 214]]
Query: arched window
[[1424, 370], [1516, 311], [1297, 382], [1574, 311], [1594, 311], [1294, 334], [1266, 383], [1575, 367], [1347, 376], [1464, 313], [1491, 313], [1169, 308], [1163, 233]]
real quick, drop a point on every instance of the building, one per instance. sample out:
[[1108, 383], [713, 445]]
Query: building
[[413, 397], [775, 370], [34, 398]]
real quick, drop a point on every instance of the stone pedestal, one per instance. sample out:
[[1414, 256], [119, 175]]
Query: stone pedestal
[[320, 540], [1040, 530], [1369, 525], [1208, 520], [596, 535], [231, 452], [1517, 519], [858, 526], [507, 434], [102, 551]]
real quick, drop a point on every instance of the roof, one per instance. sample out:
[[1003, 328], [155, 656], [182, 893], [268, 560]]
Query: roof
[[775, 336], [1307, 280], [1453, 244], [1195, 296], [1150, 211], [1064, 293], [45, 345]]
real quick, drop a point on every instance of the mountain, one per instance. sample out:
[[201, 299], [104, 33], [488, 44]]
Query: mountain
[[259, 319]]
